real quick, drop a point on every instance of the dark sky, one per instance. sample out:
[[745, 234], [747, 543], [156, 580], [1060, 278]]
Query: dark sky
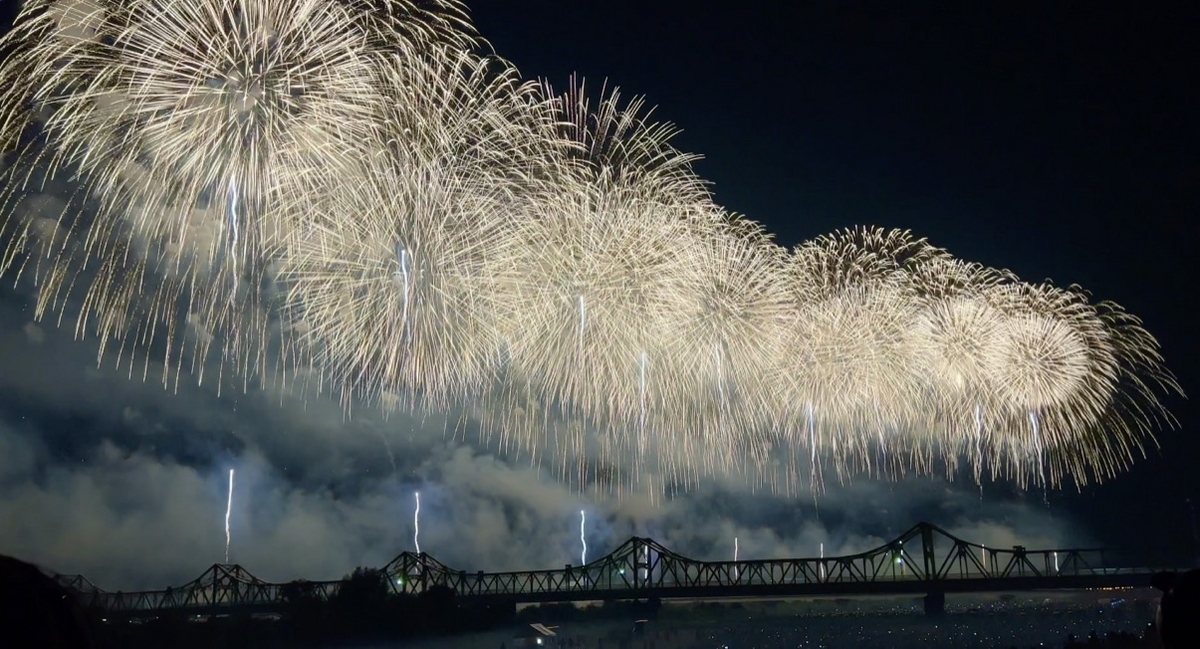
[[1056, 142], [1058, 145]]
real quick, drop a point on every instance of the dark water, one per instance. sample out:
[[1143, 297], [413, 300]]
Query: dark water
[[970, 623]]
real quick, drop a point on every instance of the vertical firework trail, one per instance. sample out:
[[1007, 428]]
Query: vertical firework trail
[[582, 539], [417, 523], [720, 373], [642, 402], [228, 509], [822, 562], [812, 458], [232, 197], [646, 563], [404, 275], [582, 324], [735, 557], [1041, 454], [978, 451]]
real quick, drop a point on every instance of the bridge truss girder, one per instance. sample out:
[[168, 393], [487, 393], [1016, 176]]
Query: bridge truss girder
[[923, 559]]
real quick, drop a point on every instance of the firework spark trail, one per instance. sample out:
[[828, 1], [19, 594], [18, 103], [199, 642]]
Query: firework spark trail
[[736, 570], [642, 360], [720, 373], [582, 538], [232, 200], [582, 326], [978, 458], [228, 510], [417, 522], [812, 447], [404, 274], [1040, 454]]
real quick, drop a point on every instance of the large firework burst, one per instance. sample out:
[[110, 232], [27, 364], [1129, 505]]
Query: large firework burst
[[444, 234], [601, 270], [390, 278], [188, 122]]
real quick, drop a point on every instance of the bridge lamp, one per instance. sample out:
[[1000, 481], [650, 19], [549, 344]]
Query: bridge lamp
[[399, 582]]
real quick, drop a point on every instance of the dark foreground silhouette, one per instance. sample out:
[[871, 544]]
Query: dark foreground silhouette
[[36, 611], [1178, 618]]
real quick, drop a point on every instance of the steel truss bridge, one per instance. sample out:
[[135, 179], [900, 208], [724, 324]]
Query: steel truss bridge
[[924, 560]]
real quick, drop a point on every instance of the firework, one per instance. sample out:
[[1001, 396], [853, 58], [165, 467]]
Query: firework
[[724, 343], [1074, 386], [390, 278], [600, 271], [420, 228], [852, 368], [188, 123]]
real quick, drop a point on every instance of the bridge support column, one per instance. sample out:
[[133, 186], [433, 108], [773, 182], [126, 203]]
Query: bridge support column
[[935, 604]]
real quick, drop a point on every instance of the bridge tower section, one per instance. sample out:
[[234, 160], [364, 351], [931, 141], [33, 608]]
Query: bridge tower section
[[641, 564], [935, 595]]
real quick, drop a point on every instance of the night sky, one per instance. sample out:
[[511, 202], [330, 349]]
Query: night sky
[[1059, 145]]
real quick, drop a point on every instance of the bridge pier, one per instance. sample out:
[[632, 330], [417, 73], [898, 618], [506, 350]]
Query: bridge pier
[[935, 604]]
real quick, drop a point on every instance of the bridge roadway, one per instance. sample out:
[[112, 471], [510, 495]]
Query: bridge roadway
[[924, 560]]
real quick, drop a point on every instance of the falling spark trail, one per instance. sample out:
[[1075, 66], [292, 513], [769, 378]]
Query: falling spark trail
[[582, 539], [642, 400], [228, 509], [882, 426], [812, 443], [646, 563], [404, 274], [232, 197], [736, 571], [720, 373], [978, 451], [582, 323], [417, 523], [1041, 454], [1056, 562], [822, 562]]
